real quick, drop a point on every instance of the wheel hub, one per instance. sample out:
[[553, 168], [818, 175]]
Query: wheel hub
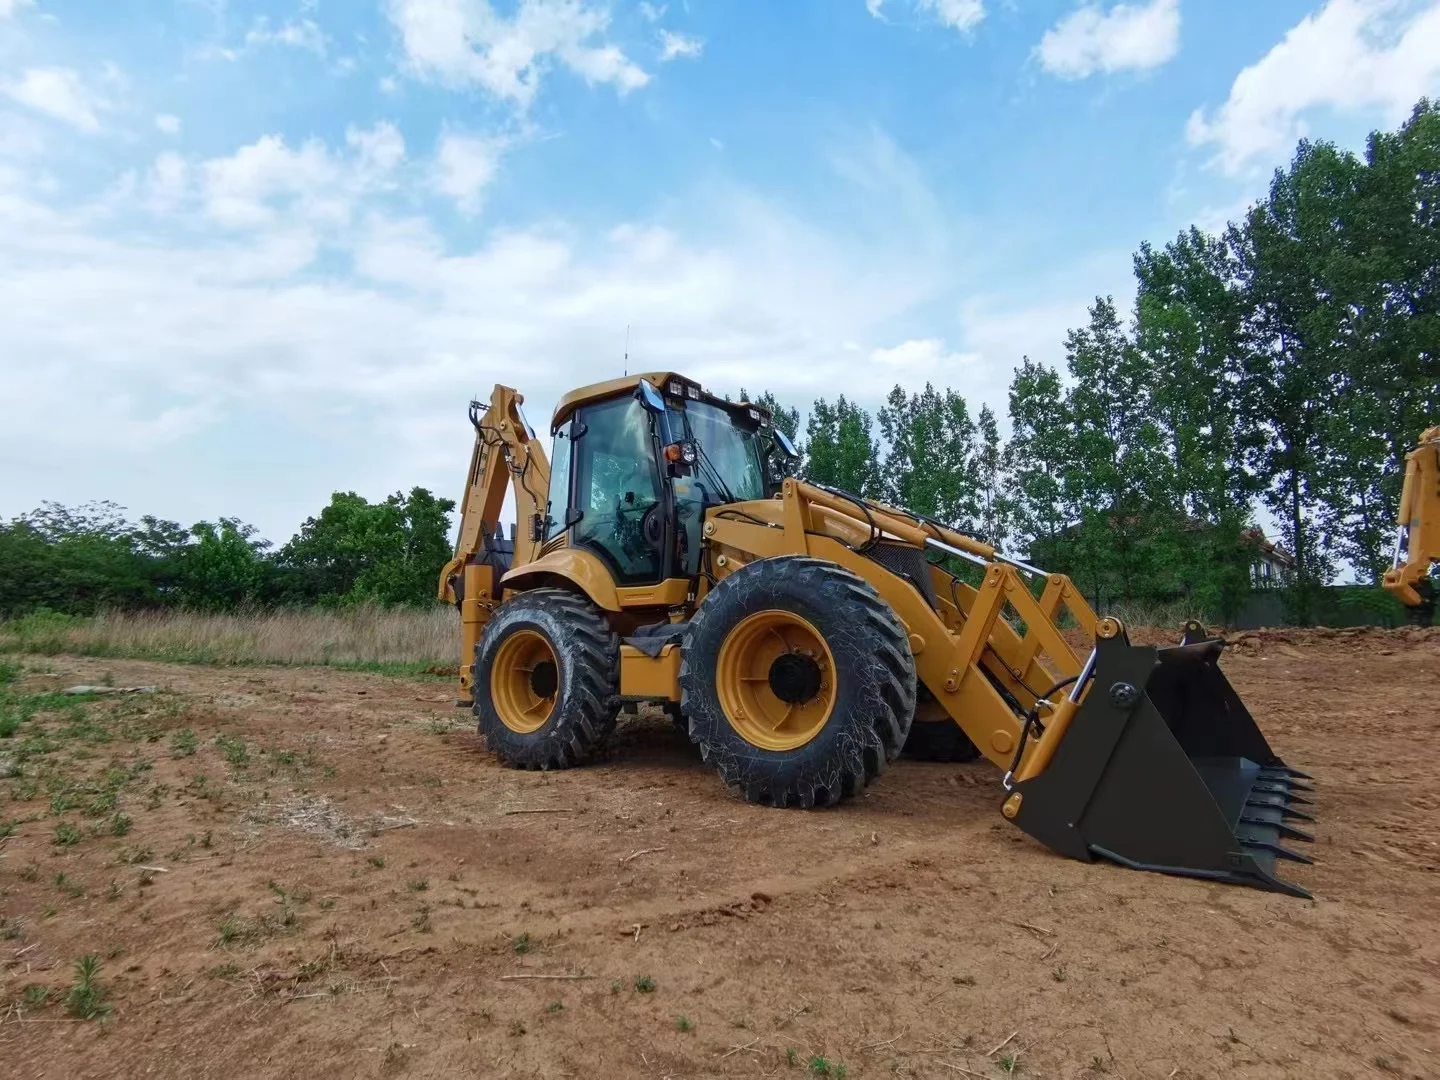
[[794, 678], [544, 679]]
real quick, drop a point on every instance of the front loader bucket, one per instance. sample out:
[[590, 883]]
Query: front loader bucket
[[1162, 768]]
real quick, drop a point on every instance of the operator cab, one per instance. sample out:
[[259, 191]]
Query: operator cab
[[637, 462]]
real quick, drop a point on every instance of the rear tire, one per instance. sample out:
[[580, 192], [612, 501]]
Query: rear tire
[[841, 661], [547, 669], [935, 736]]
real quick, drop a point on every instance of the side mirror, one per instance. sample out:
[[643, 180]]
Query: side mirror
[[783, 441], [650, 397]]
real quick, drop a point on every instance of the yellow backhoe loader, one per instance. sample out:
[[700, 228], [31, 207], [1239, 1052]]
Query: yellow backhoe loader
[[1418, 545], [803, 637]]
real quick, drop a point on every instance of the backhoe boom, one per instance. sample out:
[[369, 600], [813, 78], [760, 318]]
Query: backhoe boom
[[506, 455], [1418, 544]]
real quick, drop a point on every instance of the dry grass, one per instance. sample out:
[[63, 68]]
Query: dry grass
[[350, 637]]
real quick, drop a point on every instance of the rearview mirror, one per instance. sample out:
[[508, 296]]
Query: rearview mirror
[[783, 441], [650, 397]]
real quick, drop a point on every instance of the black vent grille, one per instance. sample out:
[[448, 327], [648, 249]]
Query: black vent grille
[[907, 562]]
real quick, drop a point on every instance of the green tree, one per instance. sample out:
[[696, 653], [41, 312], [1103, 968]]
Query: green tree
[[993, 520], [1295, 336], [1118, 473], [1033, 462], [223, 569], [840, 448], [1381, 272], [389, 552], [930, 466], [1190, 309], [77, 560]]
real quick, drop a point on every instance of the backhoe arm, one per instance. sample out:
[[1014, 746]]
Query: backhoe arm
[[1418, 544], [506, 454]]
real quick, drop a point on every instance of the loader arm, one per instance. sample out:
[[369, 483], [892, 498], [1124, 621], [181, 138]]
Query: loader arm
[[506, 455], [1140, 755], [1418, 545]]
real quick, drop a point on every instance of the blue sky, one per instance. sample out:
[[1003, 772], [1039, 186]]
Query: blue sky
[[251, 253]]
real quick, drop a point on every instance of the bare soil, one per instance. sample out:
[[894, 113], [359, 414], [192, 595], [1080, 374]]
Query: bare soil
[[355, 885]]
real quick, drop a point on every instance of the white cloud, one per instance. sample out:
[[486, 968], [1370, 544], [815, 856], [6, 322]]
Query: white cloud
[[465, 42], [956, 14], [240, 190], [380, 149], [267, 179], [676, 46], [59, 93], [10, 8], [650, 12], [465, 165], [961, 15], [1128, 37], [922, 358], [1355, 56], [295, 34], [168, 124], [168, 181], [274, 305]]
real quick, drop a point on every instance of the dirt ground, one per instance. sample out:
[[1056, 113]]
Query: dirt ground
[[346, 884]]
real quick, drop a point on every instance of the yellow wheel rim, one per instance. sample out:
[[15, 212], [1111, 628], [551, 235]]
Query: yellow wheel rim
[[524, 680], [776, 680]]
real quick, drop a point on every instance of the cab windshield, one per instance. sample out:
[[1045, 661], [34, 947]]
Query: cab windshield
[[730, 454]]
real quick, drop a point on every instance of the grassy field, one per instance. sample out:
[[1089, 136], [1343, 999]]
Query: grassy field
[[407, 640]]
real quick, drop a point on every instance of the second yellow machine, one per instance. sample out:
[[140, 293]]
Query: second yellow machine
[[804, 636]]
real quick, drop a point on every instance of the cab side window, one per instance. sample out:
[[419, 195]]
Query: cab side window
[[617, 488], [559, 494]]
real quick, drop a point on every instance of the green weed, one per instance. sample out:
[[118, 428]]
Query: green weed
[[235, 750], [85, 998], [66, 835]]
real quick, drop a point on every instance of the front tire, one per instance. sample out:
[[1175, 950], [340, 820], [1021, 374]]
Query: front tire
[[797, 681], [547, 669]]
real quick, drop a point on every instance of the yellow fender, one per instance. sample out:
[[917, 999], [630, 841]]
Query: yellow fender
[[567, 566]]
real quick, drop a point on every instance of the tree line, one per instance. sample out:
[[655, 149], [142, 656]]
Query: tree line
[[88, 559], [1287, 362]]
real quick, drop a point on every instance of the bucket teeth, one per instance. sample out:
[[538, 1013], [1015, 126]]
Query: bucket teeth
[[1284, 793], [1285, 778], [1279, 826], [1276, 850], [1285, 811]]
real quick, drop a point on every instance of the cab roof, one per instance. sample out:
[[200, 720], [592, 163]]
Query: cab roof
[[616, 387]]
